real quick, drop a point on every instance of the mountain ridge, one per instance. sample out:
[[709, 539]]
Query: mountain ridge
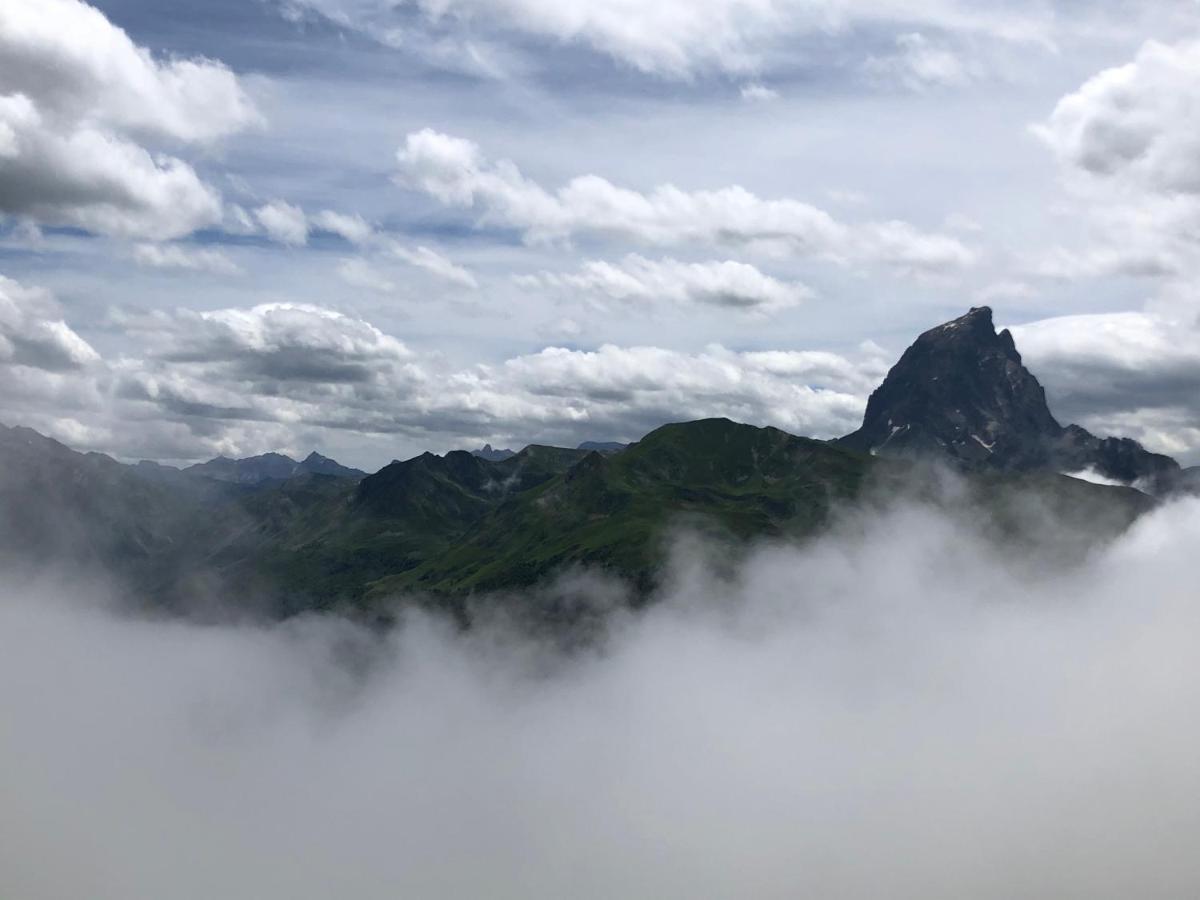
[[443, 529]]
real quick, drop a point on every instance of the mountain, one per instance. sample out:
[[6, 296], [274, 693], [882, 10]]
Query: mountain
[[275, 537], [316, 464], [270, 467], [493, 455], [603, 446], [961, 392], [58, 505]]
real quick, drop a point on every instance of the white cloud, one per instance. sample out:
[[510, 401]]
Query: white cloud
[[1138, 123], [1103, 259], [434, 262], [283, 222], [1130, 373], [256, 371], [95, 180], [727, 284], [353, 228], [78, 96], [75, 65], [359, 273], [1128, 145], [48, 373], [193, 259], [33, 333], [919, 63], [683, 38], [756, 92], [1094, 477], [897, 709], [455, 171]]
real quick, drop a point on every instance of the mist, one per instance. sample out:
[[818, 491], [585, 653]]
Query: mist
[[898, 710]]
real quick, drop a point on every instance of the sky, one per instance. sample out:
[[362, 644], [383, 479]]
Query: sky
[[376, 227]]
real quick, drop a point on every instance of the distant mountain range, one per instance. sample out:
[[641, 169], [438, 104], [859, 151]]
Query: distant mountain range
[[282, 536], [493, 455], [271, 467]]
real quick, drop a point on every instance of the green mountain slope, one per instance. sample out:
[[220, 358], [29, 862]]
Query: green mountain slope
[[615, 511], [444, 528]]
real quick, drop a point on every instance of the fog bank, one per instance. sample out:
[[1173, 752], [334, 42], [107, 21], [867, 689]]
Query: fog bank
[[893, 711]]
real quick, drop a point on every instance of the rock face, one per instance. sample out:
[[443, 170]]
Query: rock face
[[961, 392]]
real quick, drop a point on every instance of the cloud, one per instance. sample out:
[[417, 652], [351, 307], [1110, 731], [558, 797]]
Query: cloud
[[434, 262], [272, 369], [1129, 373], [283, 222], [919, 63], [33, 333], [755, 92], [1139, 122], [1101, 260], [271, 343], [49, 374], [359, 273], [1126, 143], [454, 171], [726, 284], [288, 224], [94, 180], [900, 708], [79, 97], [353, 228], [682, 39], [192, 259]]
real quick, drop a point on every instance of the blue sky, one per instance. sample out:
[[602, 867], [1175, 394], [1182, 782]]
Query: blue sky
[[373, 228]]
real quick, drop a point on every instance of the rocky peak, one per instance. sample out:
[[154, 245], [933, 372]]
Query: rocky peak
[[961, 392]]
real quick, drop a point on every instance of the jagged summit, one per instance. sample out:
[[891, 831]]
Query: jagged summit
[[493, 454], [962, 392], [270, 467]]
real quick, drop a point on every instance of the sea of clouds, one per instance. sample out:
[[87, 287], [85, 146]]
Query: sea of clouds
[[896, 710]]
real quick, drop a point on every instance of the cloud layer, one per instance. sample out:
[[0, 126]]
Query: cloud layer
[[898, 709]]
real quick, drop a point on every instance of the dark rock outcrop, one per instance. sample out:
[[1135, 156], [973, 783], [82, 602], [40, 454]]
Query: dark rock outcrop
[[961, 392]]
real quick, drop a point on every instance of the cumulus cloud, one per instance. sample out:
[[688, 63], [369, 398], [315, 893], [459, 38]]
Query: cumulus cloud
[[192, 259], [283, 222], [79, 96], [897, 709], [726, 284], [273, 341], [456, 172], [49, 374], [1130, 373], [1126, 142], [1138, 122], [33, 333], [292, 366]]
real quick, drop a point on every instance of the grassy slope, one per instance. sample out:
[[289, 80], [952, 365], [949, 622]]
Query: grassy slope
[[615, 511]]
